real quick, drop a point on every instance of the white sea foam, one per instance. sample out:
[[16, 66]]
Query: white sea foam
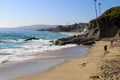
[[18, 40], [28, 50]]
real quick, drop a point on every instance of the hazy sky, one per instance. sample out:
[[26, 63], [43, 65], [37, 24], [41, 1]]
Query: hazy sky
[[27, 12]]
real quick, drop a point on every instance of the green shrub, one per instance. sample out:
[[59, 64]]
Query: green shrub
[[112, 12]]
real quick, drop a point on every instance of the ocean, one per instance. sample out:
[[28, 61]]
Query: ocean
[[13, 46]]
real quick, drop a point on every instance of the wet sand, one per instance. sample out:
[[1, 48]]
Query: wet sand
[[85, 68], [43, 62]]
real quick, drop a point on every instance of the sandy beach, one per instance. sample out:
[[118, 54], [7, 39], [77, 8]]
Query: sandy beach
[[95, 65], [40, 63]]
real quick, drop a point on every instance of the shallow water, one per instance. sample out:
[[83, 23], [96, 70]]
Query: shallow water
[[13, 46], [40, 64]]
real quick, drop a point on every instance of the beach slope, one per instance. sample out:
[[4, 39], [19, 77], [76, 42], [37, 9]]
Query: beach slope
[[85, 68]]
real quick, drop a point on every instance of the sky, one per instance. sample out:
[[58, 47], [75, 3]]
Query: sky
[[15, 13]]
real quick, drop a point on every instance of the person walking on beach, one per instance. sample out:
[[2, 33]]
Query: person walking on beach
[[112, 42], [105, 49]]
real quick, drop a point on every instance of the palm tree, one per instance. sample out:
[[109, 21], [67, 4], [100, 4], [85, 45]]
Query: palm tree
[[95, 8], [99, 8]]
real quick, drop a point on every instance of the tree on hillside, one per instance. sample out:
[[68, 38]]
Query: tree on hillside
[[95, 8], [99, 8]]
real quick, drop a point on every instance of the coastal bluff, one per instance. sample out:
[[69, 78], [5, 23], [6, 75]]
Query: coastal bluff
[[105, 26]]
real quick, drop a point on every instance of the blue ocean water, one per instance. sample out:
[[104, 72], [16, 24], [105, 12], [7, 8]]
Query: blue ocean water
[[14, 38], [13, 46]]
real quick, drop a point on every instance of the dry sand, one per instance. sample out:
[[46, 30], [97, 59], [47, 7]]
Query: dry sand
[[90, 67]]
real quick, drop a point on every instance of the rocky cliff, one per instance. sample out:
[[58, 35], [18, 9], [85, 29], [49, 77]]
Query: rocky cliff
[[107, 25], [67, 28]]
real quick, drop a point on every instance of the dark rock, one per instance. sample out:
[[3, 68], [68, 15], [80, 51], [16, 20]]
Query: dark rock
[[76, 40], [89, 43], [33, 38], [94, 77], [51, 41], [4, 61]]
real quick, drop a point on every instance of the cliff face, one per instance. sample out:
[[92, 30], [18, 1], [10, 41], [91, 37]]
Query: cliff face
[[71, 28], [107, 25]]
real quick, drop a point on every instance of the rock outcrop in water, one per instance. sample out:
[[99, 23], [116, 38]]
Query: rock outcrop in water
[[80, 39], [67, 28], [32, 38]]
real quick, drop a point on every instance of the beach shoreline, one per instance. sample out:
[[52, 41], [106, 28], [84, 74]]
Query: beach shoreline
[[77, 69], [40, 64], [72, 33]]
